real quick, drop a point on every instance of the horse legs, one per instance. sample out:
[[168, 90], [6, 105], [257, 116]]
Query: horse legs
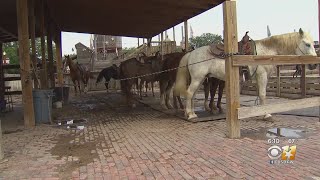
[[262, 81], [163, 86], [107, 85], [152, 88], [146, 86], [79, 87], [206, 86], [220, 93], [214, 82], [75, 86], [168, 91], [140, 88], [194, 85]]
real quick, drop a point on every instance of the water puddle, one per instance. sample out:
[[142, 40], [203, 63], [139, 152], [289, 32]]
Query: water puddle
[[280, 132], [78, 124], [197, 109], [286, 132]]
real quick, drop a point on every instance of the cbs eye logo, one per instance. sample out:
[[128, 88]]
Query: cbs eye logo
[[274, 152]]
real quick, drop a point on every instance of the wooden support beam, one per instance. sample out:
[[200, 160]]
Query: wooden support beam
[[50, 56], [186, 39], [2, 90], [1, 142], [162, 46], [303, 86], [44, 71], [232, 73], [8, 33], [247, 112], [278, 82], [174, 34], [244, 60], [32, 23], [26, 82], [59, 58]]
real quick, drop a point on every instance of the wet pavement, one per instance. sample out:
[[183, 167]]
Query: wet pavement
[[118, 142]]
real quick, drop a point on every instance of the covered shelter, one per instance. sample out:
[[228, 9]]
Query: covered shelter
[[26, 19]]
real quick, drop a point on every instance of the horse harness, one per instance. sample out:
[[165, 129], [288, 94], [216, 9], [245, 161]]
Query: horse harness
[[246, 46]]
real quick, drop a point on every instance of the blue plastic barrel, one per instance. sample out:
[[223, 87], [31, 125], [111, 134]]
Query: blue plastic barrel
[[42, 102]]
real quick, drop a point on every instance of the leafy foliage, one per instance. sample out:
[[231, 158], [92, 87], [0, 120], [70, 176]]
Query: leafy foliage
[[205, 39], [11, 50]]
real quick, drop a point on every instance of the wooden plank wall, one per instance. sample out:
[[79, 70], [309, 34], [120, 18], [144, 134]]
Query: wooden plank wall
[[289, 87]]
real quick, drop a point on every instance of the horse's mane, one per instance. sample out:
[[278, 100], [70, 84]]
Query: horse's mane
[[285, 42]]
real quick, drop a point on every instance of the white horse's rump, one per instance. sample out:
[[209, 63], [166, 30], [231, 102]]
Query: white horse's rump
[[299, 43]]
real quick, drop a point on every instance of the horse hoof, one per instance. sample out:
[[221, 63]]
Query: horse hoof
[[169, 106], [268, 117], [192, 116], [207, 108], [164, 107]]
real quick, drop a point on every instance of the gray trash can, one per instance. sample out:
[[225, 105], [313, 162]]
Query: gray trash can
[[42, 102]]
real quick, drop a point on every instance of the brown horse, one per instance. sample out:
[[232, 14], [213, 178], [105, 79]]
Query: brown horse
[[211, 84], [168, 78], [152, 65], [129, 69], [78, 73]]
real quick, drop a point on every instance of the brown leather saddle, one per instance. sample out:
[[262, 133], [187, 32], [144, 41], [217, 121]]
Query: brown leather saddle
[[245, 47]]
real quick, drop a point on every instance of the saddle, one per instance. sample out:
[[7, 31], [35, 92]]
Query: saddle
[[245, 47]]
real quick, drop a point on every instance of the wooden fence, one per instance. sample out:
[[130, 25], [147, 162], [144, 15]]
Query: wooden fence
[[289, 87]]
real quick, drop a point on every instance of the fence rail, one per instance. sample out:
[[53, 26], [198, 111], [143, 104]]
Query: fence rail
[[289, 87]]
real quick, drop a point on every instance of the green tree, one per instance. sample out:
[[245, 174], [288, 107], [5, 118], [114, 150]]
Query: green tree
[[128, 50], [205, 39], [11, 50]]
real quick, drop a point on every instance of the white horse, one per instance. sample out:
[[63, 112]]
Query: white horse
[[298, 43]]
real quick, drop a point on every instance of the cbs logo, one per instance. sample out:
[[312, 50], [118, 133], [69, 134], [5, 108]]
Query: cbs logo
[[274, 152]]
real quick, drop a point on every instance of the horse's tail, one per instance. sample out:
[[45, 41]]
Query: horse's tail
[[182, 77], [100, 76]]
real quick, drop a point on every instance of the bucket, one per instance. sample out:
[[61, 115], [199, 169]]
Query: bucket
[[42, 102], [61, 94]]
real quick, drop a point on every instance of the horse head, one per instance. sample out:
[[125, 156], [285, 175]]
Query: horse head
[[305, 46]]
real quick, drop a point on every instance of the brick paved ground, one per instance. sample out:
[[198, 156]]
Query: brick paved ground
[[119, 143]]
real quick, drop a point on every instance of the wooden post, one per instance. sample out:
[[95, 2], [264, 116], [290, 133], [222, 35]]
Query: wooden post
[[319, 41], [162, 46], [1, 149], [32, 24], [44, 71], [278, 82], [95, 37], [303, 86], [174, 34], [23, 32], [232, 73], [50, 56], [59, 58], [186, 39], [2, 83]]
